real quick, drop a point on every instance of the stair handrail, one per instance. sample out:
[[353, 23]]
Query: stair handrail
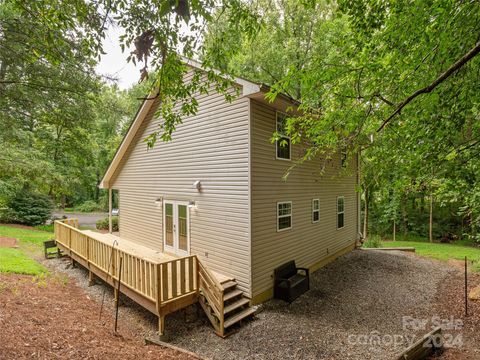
[[218, 288]]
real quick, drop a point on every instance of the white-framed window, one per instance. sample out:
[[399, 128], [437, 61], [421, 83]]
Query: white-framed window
[[343, 157], [340, 212], [283, 145], [284, 215], [315, 210]]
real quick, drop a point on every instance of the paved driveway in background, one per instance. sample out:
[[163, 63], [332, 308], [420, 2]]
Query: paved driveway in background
[[84, 219]]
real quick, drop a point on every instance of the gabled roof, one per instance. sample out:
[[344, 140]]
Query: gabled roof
[[248, 88]]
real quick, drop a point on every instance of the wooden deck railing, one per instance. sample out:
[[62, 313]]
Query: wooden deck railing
[[161, 287]]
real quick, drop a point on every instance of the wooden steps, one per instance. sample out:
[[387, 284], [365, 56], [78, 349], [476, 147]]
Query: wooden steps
[[236, 307], [238, 316], [231, 294], [229, 284]]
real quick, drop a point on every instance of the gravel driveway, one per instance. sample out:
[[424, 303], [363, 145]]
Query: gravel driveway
[[360, 294]]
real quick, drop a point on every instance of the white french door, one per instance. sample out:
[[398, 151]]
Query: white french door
[[176, 234]]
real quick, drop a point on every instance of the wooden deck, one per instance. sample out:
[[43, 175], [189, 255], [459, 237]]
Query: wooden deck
[[144, 252], [161, 283]]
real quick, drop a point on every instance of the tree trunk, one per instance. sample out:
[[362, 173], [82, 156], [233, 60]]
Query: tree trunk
[[394, 229], [430, 225], [404, 216], [365, 216], [97, 189]]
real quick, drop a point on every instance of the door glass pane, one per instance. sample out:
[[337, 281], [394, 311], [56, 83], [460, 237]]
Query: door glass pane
[[169, 224], [340, 221], [182, 228]]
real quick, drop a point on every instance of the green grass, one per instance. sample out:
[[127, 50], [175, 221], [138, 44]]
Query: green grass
[[456, 251], [439, 251], [25, 235], [47, 228], [15, 261], [20, 260], [373, 241]]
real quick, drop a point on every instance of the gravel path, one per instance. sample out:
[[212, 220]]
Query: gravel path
[[360, 294]]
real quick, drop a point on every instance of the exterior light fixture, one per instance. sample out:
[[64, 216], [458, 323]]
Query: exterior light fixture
[[197, 185], [191, 204], [158, 201]]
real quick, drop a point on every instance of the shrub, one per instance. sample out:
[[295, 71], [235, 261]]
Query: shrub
[[30, 208], [373, 241], [88, 206], [103, 224]]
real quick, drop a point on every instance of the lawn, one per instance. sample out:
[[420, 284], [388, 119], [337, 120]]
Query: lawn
[[457, 250], [16, 261], [25, 235], [20, 260]]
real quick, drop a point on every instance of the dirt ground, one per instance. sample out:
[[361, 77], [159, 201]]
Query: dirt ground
[[53, 318], [450, 303], [8, 242]]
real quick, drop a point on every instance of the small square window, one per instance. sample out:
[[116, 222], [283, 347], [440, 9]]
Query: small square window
[[283, 144], [315, 210], [340, 212], [284, 215]]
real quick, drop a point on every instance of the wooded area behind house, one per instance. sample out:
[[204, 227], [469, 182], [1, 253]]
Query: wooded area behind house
[[398, 82]]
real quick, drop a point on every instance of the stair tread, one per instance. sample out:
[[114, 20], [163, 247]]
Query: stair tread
[[237, 317], [235, 305], [229, 284], [231, 294]]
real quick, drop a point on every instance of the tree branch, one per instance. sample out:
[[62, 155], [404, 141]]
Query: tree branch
[[453, 68]]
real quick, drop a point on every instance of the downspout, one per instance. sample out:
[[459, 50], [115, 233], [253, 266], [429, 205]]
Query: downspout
[[110, 226]]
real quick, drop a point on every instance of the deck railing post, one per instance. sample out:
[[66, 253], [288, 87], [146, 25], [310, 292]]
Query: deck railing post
[[161, 317], [88, 251], [158, 283], [70, 240], [197, 268]]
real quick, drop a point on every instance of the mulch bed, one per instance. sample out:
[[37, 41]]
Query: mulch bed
[[451, 303], [54, 319], [8, 242]]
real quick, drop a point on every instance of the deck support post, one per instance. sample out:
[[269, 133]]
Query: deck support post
[[115, 295], [161, 324], [110, 226], [91, 278]]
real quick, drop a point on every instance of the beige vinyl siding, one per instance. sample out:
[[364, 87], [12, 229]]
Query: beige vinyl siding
[[212, 147], [307, 243]]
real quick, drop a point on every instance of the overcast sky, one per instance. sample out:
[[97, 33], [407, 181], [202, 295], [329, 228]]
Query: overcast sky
[[114, 63]]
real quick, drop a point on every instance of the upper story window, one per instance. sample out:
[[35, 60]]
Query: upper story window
[[315, 210], [284, 215], [340, 212], [283, 145]]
